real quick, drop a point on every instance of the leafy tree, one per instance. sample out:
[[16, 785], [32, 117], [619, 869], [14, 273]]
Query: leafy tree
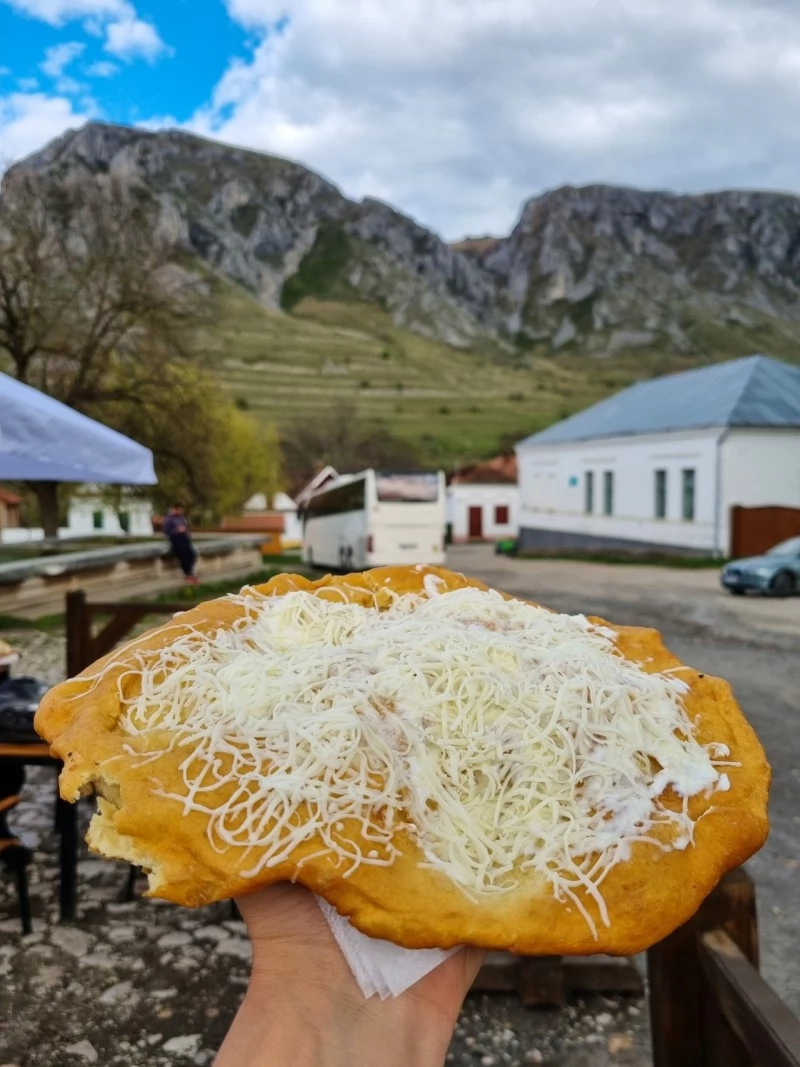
[[93, 308], [210, 456]]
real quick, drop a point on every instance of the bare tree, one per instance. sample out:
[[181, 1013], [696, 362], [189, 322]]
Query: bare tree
[[346, 440], [93, 308]]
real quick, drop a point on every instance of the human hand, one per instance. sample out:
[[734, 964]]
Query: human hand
[[304, 1008]]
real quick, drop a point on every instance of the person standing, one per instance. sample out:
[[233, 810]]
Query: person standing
[[176, 529]]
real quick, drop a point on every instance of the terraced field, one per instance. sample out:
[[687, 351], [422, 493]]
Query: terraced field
[[456, 405]]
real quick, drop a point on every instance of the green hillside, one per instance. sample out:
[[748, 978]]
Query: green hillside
[[455, 405]]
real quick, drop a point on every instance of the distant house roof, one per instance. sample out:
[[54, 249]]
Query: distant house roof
[[261, 502], [502, 470], [7, 497], [753, 391], [257, 502], [283, 502]]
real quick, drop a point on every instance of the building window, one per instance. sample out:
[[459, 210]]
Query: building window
[[588, 486], [125, 521], [608, 492], [661, 494], [98, 520], [501, 515], [688, 494]]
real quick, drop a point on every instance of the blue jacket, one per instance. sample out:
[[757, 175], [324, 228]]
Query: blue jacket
[[175, 525]]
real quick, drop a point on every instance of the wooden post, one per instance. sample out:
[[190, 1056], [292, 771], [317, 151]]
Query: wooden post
[[79, 655], [688, 1027], [79, 633], [540, 981], [116, 628]]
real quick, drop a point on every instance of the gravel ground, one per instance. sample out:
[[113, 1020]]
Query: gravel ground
[[751, 641], [148, 984]]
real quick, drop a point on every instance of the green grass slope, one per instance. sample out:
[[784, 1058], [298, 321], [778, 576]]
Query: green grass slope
[[455, 405]]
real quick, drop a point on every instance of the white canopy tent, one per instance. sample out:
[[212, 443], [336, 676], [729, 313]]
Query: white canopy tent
[[42, 440]]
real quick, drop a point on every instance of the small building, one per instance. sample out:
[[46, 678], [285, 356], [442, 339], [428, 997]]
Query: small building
[[660, 465], [483, 501], [89, 516], [292, 526], [267, 523], [10, 505], [282, 505]]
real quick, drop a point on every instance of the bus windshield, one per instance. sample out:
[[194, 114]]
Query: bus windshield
[[407, 488]]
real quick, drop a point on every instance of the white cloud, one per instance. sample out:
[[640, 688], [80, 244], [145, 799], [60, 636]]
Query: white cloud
[[126, 35], [57, 58], [103, 68], [29, 120], [28, 85], [131, 37], [457, 110], [68, 86], [57, 12]]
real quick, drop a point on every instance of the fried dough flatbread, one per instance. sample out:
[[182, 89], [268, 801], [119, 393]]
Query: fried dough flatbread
[[651, 887]]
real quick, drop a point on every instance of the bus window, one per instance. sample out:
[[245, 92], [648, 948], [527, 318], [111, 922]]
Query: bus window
[[348, 497], [407, 488]]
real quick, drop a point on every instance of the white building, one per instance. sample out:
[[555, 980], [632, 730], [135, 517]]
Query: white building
[[282, 504], [661, 464], [88, 516], [483, 501]]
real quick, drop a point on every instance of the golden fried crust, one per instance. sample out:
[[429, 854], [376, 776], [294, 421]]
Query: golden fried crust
[[647, 897]]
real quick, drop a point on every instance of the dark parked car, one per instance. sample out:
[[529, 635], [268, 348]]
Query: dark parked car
[[776, 572]]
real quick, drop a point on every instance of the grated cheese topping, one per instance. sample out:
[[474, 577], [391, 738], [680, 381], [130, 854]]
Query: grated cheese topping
[[503, 738]]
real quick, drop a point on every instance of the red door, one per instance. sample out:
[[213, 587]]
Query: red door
[[475, 524]]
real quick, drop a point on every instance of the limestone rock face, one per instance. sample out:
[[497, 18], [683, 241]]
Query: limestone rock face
[[597, 269]]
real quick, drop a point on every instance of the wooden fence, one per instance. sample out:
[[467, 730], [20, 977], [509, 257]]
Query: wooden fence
[[754, 530], [709, 1006]]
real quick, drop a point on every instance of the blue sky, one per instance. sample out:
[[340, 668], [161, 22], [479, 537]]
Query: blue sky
[[455, 111], [167, 73]]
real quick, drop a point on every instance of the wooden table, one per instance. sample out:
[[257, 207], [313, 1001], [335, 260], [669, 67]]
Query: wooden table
[[38, 754]]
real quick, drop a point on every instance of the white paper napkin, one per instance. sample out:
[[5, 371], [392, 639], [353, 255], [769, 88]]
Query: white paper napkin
[[379, 966]]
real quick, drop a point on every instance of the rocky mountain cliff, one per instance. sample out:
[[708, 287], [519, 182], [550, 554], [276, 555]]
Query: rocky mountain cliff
[[599, 269]]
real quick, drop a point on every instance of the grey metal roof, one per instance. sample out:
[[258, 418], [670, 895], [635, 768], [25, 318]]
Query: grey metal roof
[[753, 391]]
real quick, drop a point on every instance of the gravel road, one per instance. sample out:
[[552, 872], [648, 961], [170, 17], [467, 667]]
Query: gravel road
[[149, 985], [753, 642]]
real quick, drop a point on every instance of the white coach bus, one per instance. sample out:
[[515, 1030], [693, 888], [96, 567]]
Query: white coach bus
[[376, 519]]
